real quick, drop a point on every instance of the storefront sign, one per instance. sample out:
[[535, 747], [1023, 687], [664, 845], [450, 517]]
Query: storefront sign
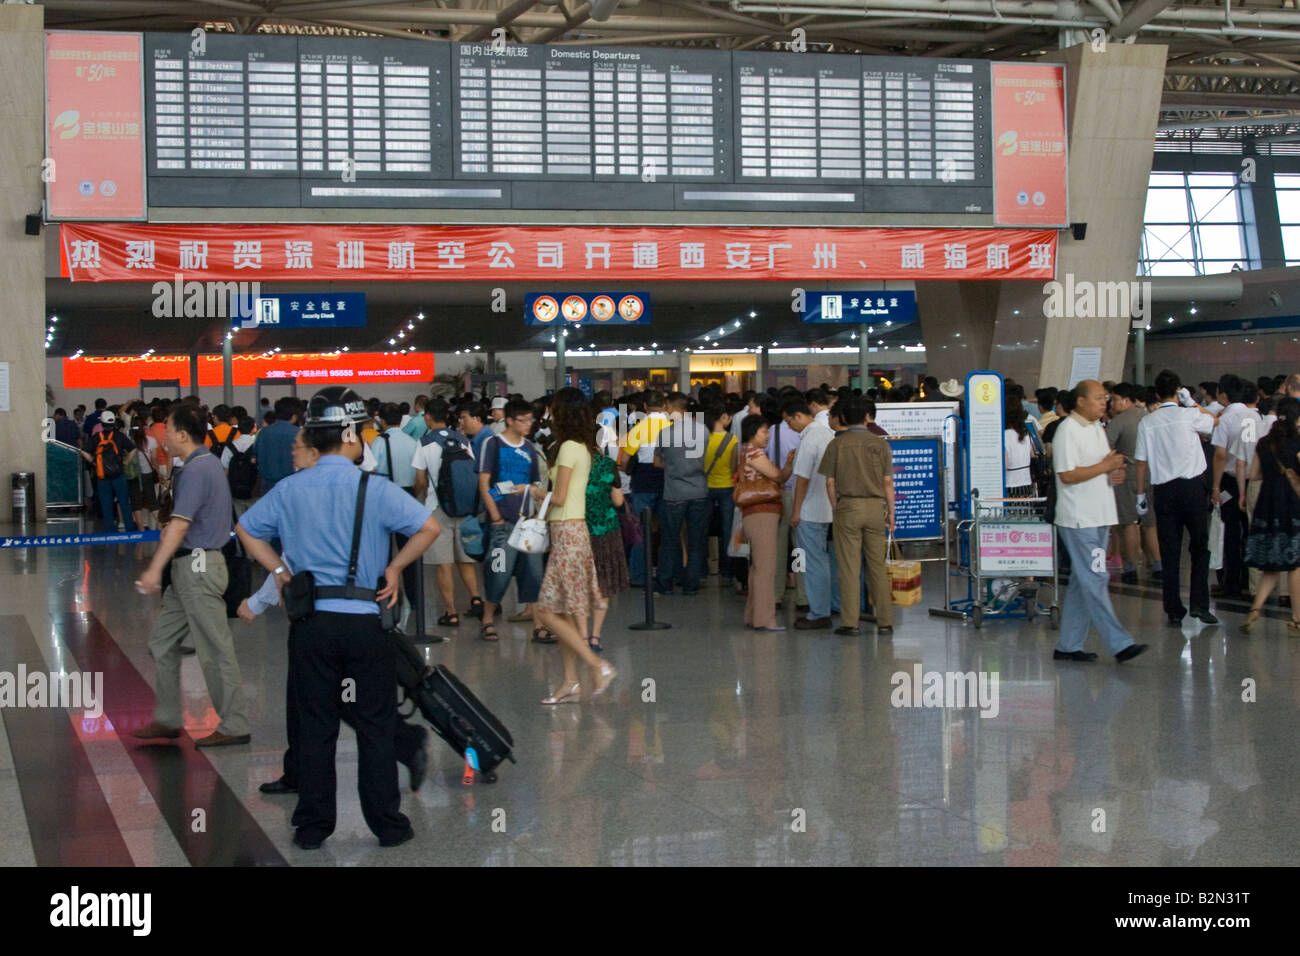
[[317, 368], [706, 362]]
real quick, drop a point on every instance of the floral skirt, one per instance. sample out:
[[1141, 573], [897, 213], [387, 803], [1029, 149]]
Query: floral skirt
[[570, 585]]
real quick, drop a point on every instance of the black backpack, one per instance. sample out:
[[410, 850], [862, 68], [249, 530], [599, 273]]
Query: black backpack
[[242, 474], [457, 484], [108, 457]]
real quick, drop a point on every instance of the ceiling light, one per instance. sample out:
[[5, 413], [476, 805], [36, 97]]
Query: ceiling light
[[853, 336], [401, 334], [773, 345], [54, 318], [1015, 311], [1170, 320], [753, 314], [706, 338], [889, 322], [1192, 310], [392, 341], [654, 345], [737, 323]]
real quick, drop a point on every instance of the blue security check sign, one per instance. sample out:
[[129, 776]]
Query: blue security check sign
[[862, 306], [308, 311]]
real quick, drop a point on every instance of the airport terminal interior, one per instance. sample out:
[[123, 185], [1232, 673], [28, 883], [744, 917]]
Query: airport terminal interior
[[1008, 292]]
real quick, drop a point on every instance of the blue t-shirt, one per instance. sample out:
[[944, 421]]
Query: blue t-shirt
[[311, 513], [504, 462], [273, 449]]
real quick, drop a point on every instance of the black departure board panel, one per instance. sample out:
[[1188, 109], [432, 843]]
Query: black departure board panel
[[389, 123], [643, 115]]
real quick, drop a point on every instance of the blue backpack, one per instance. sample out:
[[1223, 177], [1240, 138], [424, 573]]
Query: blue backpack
[[457, 480]]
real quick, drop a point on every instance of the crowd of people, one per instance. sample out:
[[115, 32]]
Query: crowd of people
[[1211, 470]]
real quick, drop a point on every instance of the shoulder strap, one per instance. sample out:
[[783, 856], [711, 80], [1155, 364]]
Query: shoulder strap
[[722, 448], [388, 448], [356, 531]]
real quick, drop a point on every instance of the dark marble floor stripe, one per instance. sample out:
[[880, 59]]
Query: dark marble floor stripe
[[180, 776], [67, 814]]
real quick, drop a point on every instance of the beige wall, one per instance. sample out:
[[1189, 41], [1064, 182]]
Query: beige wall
[[22, 257]]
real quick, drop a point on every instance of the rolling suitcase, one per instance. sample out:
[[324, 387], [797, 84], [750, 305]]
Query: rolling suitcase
[[454, 713]]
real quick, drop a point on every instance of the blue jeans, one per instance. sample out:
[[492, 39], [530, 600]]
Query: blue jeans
[[810, 537], [107, 490], [636, 560], [1087, 599], [720, 498], [695, 514], [502, 562]]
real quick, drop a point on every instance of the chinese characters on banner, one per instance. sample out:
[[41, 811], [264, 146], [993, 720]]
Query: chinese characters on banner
[[144, 252], [322, 368], [1015, 549], [94, 126]]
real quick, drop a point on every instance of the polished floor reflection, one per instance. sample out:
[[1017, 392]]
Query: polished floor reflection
[[717, 745]]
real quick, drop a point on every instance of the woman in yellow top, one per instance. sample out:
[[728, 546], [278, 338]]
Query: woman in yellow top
[[718, 454], [570, 590]]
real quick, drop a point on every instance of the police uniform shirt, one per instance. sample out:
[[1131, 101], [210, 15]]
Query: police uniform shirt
[[201, 495], [312, 511], [1167, 441]]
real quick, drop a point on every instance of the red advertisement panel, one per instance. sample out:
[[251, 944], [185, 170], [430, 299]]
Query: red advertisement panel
[[1029, 144], [94, 126], [254, 251], [312, 368]]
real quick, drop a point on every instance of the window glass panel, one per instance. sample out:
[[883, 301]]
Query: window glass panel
[[1288, 206], [1215, 205], [1166, 205], [1170, 242], [1291, 242], [1221, 180], [1287, 180], [1172, 268], [1168, 179], [1220, 242]]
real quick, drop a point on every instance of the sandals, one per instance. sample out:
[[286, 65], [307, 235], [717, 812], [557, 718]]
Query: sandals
[[475, 608], [594, 643], [449, 620], [488, 633], [543, 635], [1247, 624]]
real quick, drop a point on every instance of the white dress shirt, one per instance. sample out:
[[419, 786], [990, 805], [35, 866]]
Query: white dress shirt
[[1228, 430], [1167, 442], [1242, 447], [1079, 443], [807, 460]]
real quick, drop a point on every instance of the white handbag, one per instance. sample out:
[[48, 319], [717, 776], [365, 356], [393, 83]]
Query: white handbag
[[738, 547], [531, 535]]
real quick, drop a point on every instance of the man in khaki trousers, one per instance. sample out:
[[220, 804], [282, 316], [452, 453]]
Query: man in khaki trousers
[[859, 470]]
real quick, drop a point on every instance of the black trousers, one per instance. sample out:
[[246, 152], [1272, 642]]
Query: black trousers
[[1235, 579], [324, 650], [1183, 505]]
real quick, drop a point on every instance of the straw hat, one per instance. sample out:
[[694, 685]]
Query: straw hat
[[952, 388]]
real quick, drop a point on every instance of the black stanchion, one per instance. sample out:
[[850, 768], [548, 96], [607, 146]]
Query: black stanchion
[[417, 601], [649, 624]]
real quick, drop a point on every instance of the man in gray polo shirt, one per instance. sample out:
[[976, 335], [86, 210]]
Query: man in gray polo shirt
[[202, 517], [680, 453]]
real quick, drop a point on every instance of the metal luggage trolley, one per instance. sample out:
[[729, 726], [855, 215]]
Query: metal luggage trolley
[[1010, 538]]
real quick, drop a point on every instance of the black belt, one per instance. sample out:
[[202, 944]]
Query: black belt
[[345, 593]]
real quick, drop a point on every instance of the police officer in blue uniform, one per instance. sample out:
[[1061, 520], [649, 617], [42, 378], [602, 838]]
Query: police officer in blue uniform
[[339, 654]]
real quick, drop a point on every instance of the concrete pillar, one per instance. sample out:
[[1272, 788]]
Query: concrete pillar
[[194, 371], [684, 371], [864, 355], [22, 257], [1113, 103], [228, 370], [560, 341], [760, 375]]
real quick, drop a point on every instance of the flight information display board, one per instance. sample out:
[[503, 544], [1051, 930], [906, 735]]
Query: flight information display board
[[361, 122]]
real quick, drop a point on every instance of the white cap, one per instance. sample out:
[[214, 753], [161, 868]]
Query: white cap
[[498, 403], [107, 418]]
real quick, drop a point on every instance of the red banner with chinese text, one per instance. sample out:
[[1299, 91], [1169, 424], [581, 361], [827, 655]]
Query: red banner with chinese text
[[323, 368], [121, 252]]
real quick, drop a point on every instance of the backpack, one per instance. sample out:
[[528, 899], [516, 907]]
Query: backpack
[[217, 447], [457, 481], [242, 474], [108, 457]]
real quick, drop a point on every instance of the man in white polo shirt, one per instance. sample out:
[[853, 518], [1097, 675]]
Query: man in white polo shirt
[[1086, 472], [1169, 449]]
